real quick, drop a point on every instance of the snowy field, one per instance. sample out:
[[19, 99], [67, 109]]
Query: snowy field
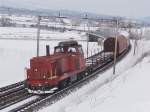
[[15, 54], [127, 90], [31, 33], [28, 21]]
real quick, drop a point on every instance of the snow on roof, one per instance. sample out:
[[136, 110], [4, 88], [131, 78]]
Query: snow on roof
[[124, 33]]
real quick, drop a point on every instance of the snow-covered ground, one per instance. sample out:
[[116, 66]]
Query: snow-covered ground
[[127, 93], [127, 90], [31, 33]]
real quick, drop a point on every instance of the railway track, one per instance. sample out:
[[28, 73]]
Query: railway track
[[12, 94], [9, 87], [4, 91], [46, 100], [14, 97]]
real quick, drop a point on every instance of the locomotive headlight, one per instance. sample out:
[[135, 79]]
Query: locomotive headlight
[[44, 76], [39, 85], [35, 69]]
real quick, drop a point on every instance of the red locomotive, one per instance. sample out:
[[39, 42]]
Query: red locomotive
[[65, 66], [50, 72]]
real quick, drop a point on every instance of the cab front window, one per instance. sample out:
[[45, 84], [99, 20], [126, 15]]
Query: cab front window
[[59, 50], [72, 50]]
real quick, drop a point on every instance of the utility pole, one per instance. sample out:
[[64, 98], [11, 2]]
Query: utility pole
[[135, 42], [88, 37], [86, 18], [38, 34], [87, 45], [115, 51], [135, 45]]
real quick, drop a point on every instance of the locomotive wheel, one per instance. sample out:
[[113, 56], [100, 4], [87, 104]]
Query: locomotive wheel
[[69, 82], [81, 76], [63, 84]]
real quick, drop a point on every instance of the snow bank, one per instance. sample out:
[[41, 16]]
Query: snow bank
[[128, 93]]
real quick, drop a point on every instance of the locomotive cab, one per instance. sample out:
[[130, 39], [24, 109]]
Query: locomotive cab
[[69, 47]]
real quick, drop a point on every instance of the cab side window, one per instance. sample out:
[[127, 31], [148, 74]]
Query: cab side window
[[59, 50], [72, 50]]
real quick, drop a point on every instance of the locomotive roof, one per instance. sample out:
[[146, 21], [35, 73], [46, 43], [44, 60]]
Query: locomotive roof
[[68, 43]]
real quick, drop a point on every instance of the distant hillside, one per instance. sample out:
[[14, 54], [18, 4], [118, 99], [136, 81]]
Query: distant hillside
[[146, 19], [74, 15], [48, 12]]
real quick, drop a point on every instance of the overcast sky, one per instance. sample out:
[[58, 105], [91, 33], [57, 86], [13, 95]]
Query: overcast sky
[[130, 8]]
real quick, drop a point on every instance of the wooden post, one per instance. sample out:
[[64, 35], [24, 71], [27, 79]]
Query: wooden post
[[135, 42], [88, 38], [115, 52], [87, 45]]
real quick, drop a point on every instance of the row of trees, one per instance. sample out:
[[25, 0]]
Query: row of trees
[[4, 22]]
